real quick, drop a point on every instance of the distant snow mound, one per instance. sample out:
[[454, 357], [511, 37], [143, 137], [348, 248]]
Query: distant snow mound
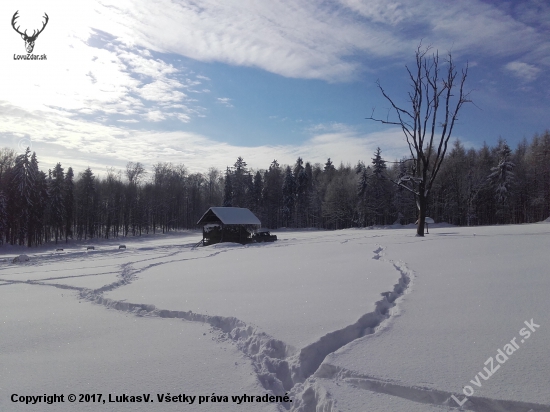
[[547, 219], [20, 258]]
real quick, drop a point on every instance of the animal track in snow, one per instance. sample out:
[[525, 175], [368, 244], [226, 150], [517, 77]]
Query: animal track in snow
[[424, 395]]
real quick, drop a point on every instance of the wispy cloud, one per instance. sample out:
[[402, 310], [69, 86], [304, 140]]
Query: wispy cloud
[[226, 101], [155, 116], [298, 38], [323, 40], [328, 127], [523, 71]]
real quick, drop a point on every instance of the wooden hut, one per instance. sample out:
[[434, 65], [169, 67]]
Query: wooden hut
[[228, 224]]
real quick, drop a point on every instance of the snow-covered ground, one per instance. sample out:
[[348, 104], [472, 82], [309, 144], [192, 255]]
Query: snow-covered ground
[[351, 320], [281, 287]]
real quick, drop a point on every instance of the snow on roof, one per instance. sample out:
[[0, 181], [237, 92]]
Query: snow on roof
[[229, 216]]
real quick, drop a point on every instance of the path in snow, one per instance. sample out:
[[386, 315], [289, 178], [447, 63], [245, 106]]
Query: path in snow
[[279, 365]]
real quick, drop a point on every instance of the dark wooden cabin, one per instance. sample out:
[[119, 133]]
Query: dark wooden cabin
[[228, 224]]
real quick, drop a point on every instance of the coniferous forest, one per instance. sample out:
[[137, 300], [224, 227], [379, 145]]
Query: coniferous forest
[[491, 185]]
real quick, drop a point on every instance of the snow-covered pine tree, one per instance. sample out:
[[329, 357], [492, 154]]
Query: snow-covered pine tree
[[256, 195], [501, 180], [241, 182], [380, 190], [289, 190], [86, 199], [22, 187], [68, 203], [364, 173], [308, 197], [378, 164], [228, 189], [39, 217], [298, 167], [329, 166], [56, 193], [273, 194], [300, 179]]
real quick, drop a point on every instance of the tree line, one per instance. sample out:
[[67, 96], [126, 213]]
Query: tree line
[[490, 185]]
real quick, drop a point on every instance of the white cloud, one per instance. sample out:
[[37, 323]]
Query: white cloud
[[382, 11], [226, 101], [98, 145], [523, 71], [162, 91], [471, 27], [88, 73], [155, 116], [328, 127]]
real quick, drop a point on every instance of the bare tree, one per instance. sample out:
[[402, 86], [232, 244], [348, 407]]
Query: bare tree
[[134, 172], [429, 122]]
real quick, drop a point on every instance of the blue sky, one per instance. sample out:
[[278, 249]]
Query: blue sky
[[203, 82]]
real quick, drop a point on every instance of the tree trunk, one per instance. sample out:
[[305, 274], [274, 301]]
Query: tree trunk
[[422, 205]]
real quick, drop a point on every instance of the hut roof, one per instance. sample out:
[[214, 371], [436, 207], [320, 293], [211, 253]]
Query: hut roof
[[229, 216]]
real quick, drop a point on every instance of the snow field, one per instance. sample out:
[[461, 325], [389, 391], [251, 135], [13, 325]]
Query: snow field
[[471, 296], [56, 344], [449, 301], [277, 364]]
